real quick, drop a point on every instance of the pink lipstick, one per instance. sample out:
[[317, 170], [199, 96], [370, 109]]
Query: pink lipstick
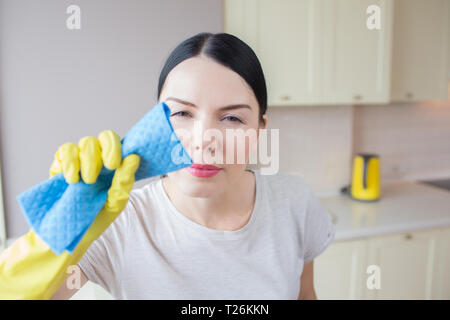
[[203, 170]]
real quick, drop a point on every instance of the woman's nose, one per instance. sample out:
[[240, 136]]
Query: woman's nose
[[203, 136]]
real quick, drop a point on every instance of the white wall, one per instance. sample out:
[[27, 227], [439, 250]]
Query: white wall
[[58, 85], [412, 139], [316, 144]]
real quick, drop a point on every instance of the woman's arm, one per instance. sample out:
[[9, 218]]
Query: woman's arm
[[307, 283]]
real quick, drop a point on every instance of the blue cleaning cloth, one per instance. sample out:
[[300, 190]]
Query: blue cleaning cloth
[[61, 213]]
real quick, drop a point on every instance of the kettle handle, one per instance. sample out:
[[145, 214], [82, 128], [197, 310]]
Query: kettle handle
[[366, 158], [365, 163]]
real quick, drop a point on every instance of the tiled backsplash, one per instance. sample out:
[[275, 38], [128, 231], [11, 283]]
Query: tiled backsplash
[[413, 140], [318, 142]]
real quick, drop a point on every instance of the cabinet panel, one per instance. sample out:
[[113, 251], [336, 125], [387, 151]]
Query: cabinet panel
[[441, 281], [241, 20], [322, 52], [406, 265], [340, 271], [317, 51], [420, 50], [287, 48], [356, 59]]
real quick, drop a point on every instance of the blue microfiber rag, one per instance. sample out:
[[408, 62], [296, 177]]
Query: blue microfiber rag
[[61, 213]]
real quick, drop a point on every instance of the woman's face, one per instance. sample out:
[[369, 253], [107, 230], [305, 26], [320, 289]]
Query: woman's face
[[196, 91]]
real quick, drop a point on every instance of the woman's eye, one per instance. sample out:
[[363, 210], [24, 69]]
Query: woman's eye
[[233, 119], [180, 113]]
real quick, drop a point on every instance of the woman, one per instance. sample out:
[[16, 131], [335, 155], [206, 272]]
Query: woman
[[233, 234]]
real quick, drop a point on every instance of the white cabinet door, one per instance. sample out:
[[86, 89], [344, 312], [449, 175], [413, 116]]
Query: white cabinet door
[[406, 265], [412, 266], [322, 52], [288, 50], [357, 59], [241, 20], [339, 273], [317, 51], [420, 50], [284, 34]]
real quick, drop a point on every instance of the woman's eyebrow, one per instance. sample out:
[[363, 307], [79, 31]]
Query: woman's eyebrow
[[234, 106]]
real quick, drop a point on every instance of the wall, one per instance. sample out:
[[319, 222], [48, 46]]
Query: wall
[[58, 85], [316, 144], [413, 140]]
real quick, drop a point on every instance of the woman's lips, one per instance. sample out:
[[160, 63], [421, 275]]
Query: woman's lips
[[203, 170]]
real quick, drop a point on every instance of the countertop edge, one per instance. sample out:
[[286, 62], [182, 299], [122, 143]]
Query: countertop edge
[[363, 233]]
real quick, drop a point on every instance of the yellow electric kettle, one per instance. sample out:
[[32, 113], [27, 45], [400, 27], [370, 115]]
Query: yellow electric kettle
[[366, 177]]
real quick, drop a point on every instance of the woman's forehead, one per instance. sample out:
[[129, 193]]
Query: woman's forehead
[[203, 81]]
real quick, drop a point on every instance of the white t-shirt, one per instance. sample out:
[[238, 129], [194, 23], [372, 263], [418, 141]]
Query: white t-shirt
[[153, 251]]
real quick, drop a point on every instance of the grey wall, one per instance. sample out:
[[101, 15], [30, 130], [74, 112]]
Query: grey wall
[[58, 85]]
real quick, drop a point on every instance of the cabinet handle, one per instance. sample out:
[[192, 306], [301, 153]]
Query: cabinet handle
[[409, 95], [285, 98], [408, 236], [357, 97]]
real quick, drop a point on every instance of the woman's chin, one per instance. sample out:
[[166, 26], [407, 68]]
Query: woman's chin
[[199, 187]]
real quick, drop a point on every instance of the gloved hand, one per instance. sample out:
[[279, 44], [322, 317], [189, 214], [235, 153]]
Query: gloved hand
[[29, 269]]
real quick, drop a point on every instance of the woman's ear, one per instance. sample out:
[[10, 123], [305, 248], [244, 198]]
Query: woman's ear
[[263, 125]]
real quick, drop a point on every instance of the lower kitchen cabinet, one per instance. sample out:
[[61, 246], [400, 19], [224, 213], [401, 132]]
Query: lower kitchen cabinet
[[406, 265], [411, 265], [339, 271], [441, 283]]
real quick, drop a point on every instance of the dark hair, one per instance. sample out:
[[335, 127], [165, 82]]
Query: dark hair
[[227, 50]]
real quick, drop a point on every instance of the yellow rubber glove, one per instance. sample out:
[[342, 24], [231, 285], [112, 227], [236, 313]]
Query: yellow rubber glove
[[28, 268]]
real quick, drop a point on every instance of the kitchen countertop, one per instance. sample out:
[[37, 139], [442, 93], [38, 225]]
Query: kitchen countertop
[[403, 207]]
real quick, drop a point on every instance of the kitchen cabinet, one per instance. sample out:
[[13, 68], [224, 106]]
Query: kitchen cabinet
[[441, 283], [413, 265], [356, 60], [316, 51], [288, 50], [420, 61], [406, 265], [322, 51], [339, 271], [284, 36]]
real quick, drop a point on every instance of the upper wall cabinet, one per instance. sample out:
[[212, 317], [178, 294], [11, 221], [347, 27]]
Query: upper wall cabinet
[[284, 36], [356, 59], [420, 50], [323, 52], [316, 51]]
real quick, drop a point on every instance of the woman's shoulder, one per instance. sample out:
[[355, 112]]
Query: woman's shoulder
[[145, 195]]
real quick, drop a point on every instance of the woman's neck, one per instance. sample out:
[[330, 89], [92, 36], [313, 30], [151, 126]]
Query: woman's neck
[[230, 210]]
